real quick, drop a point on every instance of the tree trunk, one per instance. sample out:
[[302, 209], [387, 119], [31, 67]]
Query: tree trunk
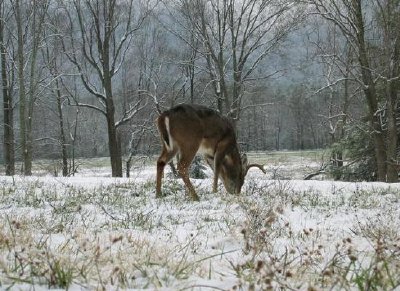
[[378, 136], [392, 36], [392, 175], [9, 151], [345, 110], [64, 155], [128, 165], [114, 148], [370, 94], [73, 168], [113, 141], [392, 95], [29, 146], [21, 82]]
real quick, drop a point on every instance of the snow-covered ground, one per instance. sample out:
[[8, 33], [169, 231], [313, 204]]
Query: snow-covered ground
[[92, 231]]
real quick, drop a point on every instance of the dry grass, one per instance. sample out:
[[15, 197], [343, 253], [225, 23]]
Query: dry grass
[[105, 233]]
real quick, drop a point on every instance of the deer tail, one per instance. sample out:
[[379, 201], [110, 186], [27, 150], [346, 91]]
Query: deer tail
[[163, 128]]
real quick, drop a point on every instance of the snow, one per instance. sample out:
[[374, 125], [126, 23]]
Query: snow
[[93, 231]]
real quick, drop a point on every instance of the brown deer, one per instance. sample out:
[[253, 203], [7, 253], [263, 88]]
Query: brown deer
[[188, 129]]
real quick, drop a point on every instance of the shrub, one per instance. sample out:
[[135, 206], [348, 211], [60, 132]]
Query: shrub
[[359, 151]]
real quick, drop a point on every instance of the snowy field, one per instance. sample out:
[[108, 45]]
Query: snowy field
[[92, 231]]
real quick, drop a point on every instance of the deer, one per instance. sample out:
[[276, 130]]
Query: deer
[[188, 129]]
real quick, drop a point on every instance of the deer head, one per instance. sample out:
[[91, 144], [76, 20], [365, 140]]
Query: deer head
[[188, 129]]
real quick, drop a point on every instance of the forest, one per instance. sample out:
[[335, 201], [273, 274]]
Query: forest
[[88, 78]]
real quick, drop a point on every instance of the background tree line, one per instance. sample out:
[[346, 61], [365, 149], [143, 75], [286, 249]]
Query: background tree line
[[85, 78]]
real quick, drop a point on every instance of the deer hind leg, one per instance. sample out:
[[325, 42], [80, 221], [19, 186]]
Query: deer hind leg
[[164, 158], [185, 159]]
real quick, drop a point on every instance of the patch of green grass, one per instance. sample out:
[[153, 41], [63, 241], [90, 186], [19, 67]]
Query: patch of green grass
[[60, 275]]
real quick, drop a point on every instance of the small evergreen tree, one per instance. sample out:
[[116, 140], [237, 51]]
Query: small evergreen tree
[[359, 151], [197, 168]]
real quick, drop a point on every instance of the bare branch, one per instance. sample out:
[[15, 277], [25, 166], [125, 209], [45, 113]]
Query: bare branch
[[131, 112]]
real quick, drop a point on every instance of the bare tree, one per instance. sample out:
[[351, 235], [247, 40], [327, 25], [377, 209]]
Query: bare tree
[[106, 29], [388, 15], [52, 59], [351, 18], [236, 37], [337, 58], [21, 83], [30, 21], [8, 106]]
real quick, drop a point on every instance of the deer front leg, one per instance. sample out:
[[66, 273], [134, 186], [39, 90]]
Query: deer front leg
[[183, 170], [211, 162], [217, 169], [219, 155], [215, 183]]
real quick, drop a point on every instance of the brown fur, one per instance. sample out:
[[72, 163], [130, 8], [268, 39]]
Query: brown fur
[[195, 127]]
